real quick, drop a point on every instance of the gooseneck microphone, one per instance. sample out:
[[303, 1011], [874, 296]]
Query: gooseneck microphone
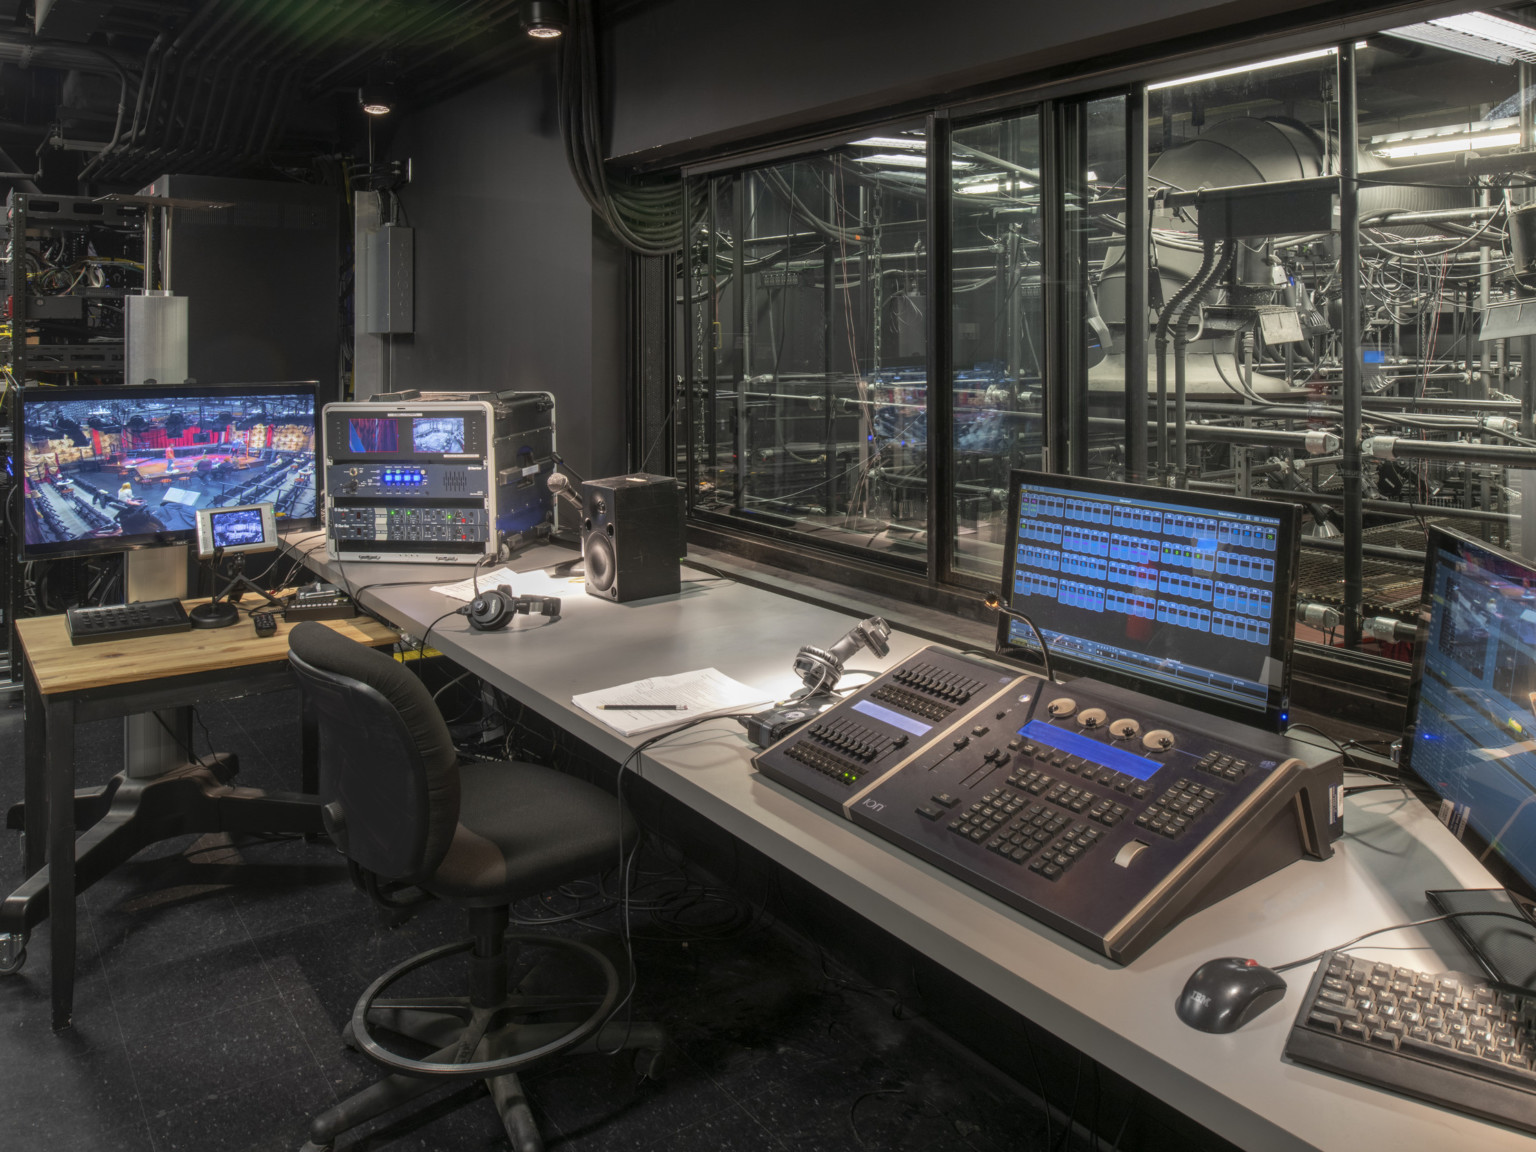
[[995, 603]]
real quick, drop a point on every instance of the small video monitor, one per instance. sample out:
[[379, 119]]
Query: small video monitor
[[230, 531]]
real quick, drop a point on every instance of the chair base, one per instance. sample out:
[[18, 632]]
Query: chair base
[[490, 1038]]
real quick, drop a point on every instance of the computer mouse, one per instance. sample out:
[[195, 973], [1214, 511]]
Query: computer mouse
[[1223, 995]]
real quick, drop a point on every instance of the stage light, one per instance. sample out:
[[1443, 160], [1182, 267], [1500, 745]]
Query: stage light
[[545, 19], [376, 99]]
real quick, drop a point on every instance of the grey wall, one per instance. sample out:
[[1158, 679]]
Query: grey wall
[[689, 75], [504, 256]]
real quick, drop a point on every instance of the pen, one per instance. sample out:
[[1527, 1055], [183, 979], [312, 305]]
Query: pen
[[642, 707]]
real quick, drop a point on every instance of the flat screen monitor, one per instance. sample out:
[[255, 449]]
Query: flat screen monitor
[[1471, 733], [111, 469], [1185, 596], [235, 531]]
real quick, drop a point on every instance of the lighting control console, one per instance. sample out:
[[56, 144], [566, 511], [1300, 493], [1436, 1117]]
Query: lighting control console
[[1104, 813]]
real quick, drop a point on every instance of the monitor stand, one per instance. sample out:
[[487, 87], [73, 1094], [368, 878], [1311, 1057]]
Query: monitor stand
[[160, 793], [156, 742]]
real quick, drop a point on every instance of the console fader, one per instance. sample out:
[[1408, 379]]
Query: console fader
[[1099, 811]]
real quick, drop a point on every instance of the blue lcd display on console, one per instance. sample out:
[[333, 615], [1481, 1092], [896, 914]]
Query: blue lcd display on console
[[1076, 744], [894, 719]]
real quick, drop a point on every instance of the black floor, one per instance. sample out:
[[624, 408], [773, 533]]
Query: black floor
[[214, 979]]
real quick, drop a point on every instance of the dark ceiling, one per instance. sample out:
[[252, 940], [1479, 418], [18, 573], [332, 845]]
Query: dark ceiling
[[112, 93]]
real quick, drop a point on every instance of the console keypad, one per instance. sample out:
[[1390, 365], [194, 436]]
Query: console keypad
[[1175, 810]]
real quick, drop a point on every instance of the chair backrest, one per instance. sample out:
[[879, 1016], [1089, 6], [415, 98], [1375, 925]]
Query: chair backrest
[[386, 758]]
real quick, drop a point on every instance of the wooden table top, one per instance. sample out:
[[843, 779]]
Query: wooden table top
[[60, 666]]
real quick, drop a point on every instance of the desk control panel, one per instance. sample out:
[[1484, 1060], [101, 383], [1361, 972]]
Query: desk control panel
[[1106, 814]]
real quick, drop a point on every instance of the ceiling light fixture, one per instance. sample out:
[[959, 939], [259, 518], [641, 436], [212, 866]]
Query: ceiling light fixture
[[1480, 35], [545, 19], [1316, 54], [893, 142], [376, 99]]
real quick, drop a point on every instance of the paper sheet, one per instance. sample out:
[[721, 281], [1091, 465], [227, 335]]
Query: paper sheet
[[707, 692], [535, 583]]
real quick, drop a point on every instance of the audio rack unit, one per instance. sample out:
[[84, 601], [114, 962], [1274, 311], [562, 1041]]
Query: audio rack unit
[[441, 477]]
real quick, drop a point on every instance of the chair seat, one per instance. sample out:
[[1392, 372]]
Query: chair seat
[[523, 830]]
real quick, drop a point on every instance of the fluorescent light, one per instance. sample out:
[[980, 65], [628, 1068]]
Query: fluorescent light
[[1091, 175], [893, 142], [979, 189], [895, 160], [1422, 134], [1477, 34], [1453, 144], [1316, 54]]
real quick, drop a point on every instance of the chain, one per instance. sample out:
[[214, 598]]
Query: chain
[[878, 214]]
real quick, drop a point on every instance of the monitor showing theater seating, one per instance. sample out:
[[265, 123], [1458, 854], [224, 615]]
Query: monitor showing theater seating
[[1471, 732], [111, 469], [1182, 595]]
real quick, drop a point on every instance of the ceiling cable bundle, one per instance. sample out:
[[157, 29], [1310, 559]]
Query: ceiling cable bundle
[[645, 217]]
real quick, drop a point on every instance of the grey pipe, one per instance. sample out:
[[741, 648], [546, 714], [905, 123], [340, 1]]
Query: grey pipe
[[1458, 452], [1203, 281], [1164, 319]]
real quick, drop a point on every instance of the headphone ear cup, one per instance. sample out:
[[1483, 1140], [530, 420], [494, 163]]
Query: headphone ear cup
[[488, 612]]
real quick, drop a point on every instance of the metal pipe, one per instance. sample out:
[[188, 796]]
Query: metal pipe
[[1223, 434], [1349, 276], [1164, 320], [1396, 507], [1440, 216], [1203, 281], [1457, 452], [1137, 256], [1377, 551]]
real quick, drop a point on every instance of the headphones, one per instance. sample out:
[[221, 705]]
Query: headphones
[[493, 610]]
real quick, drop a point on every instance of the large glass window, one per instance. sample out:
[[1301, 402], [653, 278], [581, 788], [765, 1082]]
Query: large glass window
[[997, 327], [809, 295], [1270, 341]]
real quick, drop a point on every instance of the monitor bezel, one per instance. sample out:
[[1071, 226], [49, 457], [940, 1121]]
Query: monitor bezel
[[1273, 715], [1489, 855], [208, 550], [108, 544]]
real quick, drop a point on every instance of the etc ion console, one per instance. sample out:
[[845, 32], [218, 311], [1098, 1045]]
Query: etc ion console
[[1103, 813]]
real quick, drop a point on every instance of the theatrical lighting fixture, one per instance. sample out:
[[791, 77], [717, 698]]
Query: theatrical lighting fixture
[[545, 19], [376, 99]]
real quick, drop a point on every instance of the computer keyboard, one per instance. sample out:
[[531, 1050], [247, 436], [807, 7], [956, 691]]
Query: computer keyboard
[[1443, 1037], [125, 621]]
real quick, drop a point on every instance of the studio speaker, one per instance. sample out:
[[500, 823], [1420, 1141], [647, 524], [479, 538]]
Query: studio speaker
[[632, 537]]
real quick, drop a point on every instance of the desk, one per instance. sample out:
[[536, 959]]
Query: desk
[[69, 684], [1237, 1085]]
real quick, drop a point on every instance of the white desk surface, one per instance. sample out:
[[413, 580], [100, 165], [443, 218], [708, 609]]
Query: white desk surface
[[1237, 1085]]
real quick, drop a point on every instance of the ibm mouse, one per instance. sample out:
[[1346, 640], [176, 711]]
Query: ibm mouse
[[1223, 995]]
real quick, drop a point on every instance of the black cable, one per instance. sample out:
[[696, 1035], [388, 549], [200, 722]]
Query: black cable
[[1393, 928], [626, 860], [421, 649]]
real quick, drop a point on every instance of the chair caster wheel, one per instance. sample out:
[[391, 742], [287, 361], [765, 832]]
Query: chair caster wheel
[[348, 1037], [654, 1063], [311, 1146], [13, 952]]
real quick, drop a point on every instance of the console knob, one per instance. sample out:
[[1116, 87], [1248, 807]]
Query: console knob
[[1126, 729], [1092, 717], [1061, 706], [1158, 740]]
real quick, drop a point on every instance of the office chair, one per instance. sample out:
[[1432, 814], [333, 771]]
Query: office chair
[[481, 835]]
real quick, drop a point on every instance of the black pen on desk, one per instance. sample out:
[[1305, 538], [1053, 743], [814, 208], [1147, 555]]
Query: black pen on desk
[[642, 707]]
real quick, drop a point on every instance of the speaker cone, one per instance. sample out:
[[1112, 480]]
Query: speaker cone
[[600, 563]]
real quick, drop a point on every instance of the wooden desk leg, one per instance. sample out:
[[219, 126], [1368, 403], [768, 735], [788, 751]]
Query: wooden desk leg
[[35, 788], [61, 854]]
